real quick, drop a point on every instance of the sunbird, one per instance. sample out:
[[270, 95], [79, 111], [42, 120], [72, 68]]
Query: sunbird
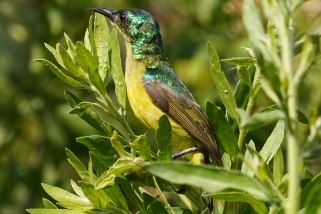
[[154, 89]]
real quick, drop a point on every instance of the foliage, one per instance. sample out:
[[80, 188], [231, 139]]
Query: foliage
[[121, 163]]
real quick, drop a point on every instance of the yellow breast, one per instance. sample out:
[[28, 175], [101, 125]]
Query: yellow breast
[[143, 107]]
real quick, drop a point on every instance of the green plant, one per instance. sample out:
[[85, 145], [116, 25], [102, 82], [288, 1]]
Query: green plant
[[122, 163]]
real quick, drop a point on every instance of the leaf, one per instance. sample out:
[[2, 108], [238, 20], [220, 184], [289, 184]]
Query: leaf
[[152, 205], [278, 167], [309, 192], [70, 65], [134, 196], [163, 137], [221, 83], [116, 69], [67, 79], [143, 147], [117, 197], [97, 197], [208, 178], [71, 48], [68, 199], [242, 61], [88, 115], [260, 119], [89, 65], [78, 166], [54, 211], [248, 159], [257, 205], [98, 164], [253, 25], [100, 146], [56, 54], [101, 36], [244, 75], [222, 129], [273, 143], [48, 204]]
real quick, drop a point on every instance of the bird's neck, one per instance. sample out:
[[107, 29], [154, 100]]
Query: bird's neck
[[150, 53]]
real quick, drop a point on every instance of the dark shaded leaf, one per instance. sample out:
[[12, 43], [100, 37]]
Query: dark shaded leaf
[[222, 129], [163, 139]]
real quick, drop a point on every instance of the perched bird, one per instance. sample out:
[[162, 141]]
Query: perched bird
[[153, 88]]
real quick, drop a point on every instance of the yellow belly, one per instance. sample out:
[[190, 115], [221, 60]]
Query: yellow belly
[[146, 111]]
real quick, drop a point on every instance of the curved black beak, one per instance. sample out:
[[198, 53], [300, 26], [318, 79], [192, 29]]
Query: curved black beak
[[104, 11]]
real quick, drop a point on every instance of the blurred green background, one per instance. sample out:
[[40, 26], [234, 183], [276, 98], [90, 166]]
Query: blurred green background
[[35, 126]]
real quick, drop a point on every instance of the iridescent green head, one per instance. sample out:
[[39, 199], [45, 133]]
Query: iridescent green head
[[139, 28]]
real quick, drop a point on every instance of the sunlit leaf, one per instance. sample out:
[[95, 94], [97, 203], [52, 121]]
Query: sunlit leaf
[[143, 147], [67, 79], [101, 36], [68, 199], [208, 178], [273, 143], [260, 119], [48, 204], [89, 65], [242, 61], [54, 211], [116, 69], [257, 205], [221, 83], [78, 166]]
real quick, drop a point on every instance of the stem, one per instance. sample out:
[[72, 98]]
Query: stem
[[290, 87], [119, 117], [159, 191]]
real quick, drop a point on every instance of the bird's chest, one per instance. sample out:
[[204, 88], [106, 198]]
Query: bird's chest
[[143, 108]]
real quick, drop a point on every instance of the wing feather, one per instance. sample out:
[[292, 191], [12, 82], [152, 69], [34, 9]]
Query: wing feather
[[180, 105]]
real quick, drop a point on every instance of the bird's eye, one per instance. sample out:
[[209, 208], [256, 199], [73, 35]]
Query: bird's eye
[[122, 17]]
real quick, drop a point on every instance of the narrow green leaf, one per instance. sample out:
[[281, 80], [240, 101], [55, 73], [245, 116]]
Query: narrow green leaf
[[70, 65], [89, 65], [253, 25], [163, 139], [98, 164], [313, 205], [134, 196], [208, 178], [101, 36], [54, 211], [67, 79], [248, 159], [152, 205], [244, 75], [278, 167], [309, 191], [241, 61], [222, 129], [260, 119], [116, 69], [117, 197], [143, 147], [100, 146], [48, 204], [78, 166], [97, 197], [221, 83], [273, 143], [91, 38], [88, 114], [71, 48], [261, 168], [257, 205], [56, 54], [68, 199], [241, 94]]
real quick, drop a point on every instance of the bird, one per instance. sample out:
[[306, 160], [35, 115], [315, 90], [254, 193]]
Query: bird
[[153, 88]]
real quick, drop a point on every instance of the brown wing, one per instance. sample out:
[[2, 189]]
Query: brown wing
[[183, 108]]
